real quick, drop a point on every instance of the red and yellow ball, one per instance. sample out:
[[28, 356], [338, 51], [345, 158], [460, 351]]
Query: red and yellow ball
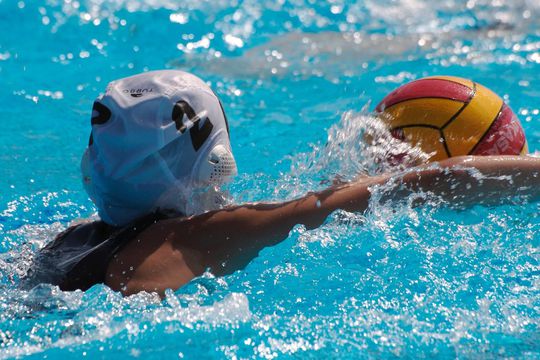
[[449, 116]]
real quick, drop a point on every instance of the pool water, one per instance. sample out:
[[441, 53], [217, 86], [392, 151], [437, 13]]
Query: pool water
[[297, 78]]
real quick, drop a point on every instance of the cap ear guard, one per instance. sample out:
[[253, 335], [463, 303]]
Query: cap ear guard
[[218, 166]]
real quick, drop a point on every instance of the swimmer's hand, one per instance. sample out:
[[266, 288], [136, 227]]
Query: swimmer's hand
[[470, 180]]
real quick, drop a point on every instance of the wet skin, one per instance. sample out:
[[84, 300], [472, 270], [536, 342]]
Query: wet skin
[[172, 252]]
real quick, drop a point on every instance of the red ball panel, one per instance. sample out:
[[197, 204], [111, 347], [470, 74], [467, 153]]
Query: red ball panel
[[427, 88], [504, 137]]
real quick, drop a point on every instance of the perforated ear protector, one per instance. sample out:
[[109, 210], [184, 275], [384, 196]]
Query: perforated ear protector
[[217, 167]]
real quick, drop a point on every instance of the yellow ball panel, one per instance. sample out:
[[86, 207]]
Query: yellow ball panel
[[465, 131], [429, 140], [428, 111], [455, 79], [525, 149]]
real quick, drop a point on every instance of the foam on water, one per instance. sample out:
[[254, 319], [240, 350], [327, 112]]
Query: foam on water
[[295, 77]]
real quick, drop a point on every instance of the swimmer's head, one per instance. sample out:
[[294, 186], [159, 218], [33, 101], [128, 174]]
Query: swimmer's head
[[159, 141]]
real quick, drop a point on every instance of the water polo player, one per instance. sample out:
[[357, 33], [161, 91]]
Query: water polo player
[[159, 148]]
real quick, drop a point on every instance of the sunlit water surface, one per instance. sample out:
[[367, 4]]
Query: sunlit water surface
[[298, 79]]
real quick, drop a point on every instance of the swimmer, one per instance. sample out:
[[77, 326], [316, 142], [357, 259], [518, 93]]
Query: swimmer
[[158, 152]]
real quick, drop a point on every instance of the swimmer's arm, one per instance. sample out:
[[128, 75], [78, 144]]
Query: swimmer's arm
[[172, 252], [461, 181], [228, 239]]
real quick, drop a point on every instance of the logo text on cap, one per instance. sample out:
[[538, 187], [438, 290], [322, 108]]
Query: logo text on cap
[[137, 92]]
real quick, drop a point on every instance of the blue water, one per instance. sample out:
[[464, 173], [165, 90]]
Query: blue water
[[296, 78]]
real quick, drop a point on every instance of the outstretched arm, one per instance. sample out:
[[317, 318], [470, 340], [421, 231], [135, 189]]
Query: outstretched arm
[[244, 230], [172, 252]]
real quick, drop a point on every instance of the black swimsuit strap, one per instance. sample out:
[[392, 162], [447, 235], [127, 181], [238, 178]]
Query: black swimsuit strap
[[92, 268]]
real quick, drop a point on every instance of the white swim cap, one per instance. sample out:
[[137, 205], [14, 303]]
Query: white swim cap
[[158, 139]]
